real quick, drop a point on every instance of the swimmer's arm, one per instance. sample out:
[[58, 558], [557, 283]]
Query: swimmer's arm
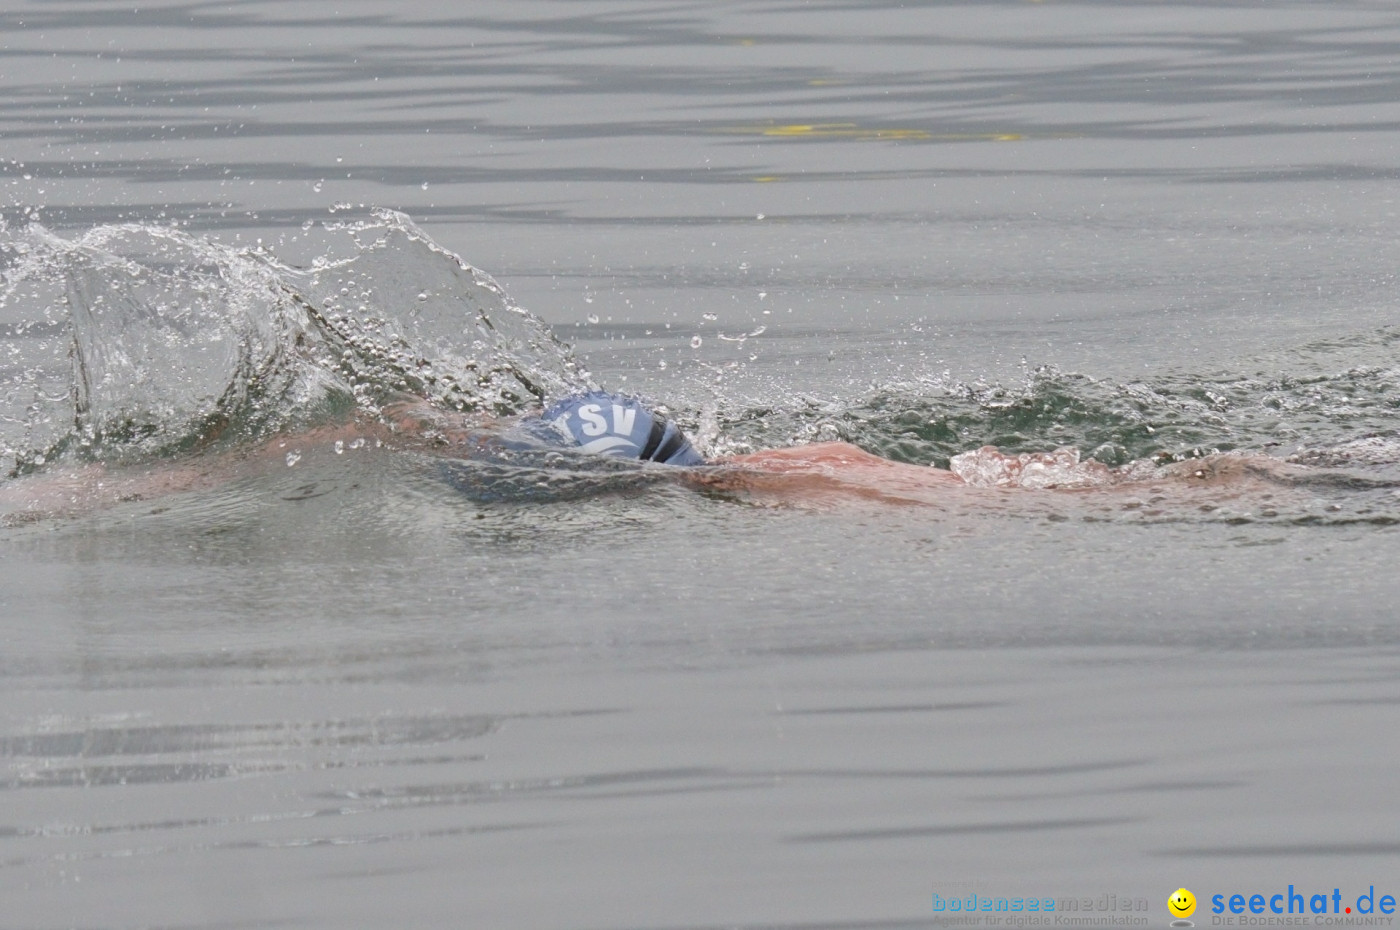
[[830, 472], [844, 461], [84, 489], [72, 490], [1236, 468], [825, 472]]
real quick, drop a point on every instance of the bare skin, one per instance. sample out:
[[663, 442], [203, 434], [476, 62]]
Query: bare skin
[[819, 474], [831, 473]]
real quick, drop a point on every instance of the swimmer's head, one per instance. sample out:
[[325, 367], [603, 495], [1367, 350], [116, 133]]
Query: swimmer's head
[[622, 426]]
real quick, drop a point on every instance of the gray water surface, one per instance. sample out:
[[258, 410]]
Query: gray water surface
[[340, 693]]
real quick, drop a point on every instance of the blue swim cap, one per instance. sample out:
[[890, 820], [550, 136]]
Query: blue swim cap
[[618, 425]]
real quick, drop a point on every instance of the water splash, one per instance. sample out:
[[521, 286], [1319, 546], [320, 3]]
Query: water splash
[[404, 314], [989, 468], [133, 341], [1295, 402]]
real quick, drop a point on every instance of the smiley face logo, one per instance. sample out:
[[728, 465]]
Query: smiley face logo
[[1182, 903]]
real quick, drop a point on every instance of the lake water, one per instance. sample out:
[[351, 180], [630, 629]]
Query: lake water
[[327, 689]]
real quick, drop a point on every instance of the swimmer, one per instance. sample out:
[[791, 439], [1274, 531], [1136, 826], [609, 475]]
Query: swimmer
[[623, 427], [618, 429]]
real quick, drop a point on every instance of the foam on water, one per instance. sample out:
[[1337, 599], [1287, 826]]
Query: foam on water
[[988, 468]]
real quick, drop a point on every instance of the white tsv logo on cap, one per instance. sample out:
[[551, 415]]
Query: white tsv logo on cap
[[595, 425], [602, 429]]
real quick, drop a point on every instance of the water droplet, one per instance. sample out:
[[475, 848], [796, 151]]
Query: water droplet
[[293, 458], [695, 342], [339, 447], [422, 295], [593, 318], [423, 186], [709, 316], [318, 185]]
